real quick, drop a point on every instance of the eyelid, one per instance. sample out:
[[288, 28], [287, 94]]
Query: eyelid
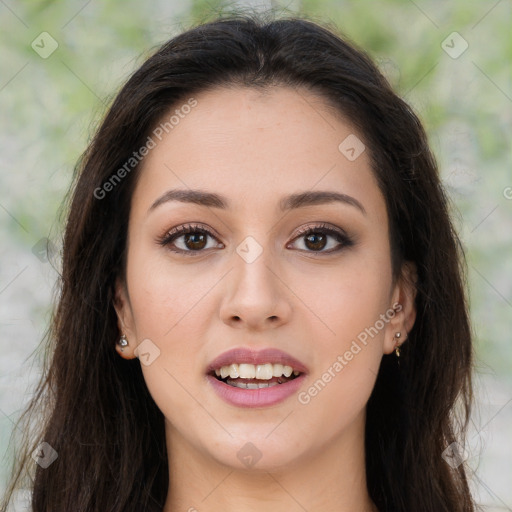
[[320, 226], [189, 226], [343, 239], [183, 229]]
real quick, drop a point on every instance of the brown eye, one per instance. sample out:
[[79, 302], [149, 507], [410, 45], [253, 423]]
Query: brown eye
[[315, 241], [195, 241], [318, 238], [187, 239], [192, 240]]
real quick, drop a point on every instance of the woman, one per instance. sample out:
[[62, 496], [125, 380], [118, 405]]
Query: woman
[[262, 293]]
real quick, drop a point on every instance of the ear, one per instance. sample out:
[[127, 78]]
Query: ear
[[125, 321], [403, 303]]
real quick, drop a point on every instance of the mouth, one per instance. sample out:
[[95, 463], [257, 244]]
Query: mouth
[[250, 376], [247, 378]]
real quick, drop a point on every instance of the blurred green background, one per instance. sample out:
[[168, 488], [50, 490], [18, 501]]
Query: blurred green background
[[51, 104]]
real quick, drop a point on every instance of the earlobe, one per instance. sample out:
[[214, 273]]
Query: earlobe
[[404, 303], [124, 322]]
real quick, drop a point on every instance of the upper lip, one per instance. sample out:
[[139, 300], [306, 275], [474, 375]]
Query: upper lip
[[245, 355]]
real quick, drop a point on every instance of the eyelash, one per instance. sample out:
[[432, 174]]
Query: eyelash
[[340, 236]]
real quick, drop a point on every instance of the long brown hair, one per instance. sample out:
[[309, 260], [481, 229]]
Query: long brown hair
[[98, 414]]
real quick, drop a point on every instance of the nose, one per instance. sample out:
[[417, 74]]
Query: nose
[[256, 295]]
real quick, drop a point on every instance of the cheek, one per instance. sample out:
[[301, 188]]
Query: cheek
[[346, 298], [171, 309], [347, 353], [349, 303], [168, 299]]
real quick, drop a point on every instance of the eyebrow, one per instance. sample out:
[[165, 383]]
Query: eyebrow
[[290, 202]]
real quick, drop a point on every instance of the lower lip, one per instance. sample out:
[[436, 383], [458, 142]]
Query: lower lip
[[263, 397]]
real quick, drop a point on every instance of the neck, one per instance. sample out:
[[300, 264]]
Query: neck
[[331, 477]]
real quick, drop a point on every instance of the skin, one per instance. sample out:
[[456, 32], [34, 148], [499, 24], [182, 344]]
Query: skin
[[255, 148]]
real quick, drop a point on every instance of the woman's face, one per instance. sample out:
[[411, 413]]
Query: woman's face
[[251, 280]]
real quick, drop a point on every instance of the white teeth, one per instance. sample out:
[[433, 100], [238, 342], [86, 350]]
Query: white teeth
[[264, 371], [246, 371], [250, 371], [278, 370], [233, 371], [251, 385]]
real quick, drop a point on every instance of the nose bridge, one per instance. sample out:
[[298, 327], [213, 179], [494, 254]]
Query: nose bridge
[[255, 294], [251, 274]]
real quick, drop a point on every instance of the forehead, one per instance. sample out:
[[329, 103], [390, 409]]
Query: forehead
[[255, 146]]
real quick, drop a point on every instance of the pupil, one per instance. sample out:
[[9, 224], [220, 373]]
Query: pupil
[[316, 245], [191, 237]]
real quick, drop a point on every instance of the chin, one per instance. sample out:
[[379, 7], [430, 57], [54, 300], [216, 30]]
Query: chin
[[257, 453]]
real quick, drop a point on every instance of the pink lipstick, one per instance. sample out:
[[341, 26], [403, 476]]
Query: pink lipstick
[[249, 378]]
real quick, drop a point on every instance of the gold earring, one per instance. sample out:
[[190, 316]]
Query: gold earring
[[397, 346]]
